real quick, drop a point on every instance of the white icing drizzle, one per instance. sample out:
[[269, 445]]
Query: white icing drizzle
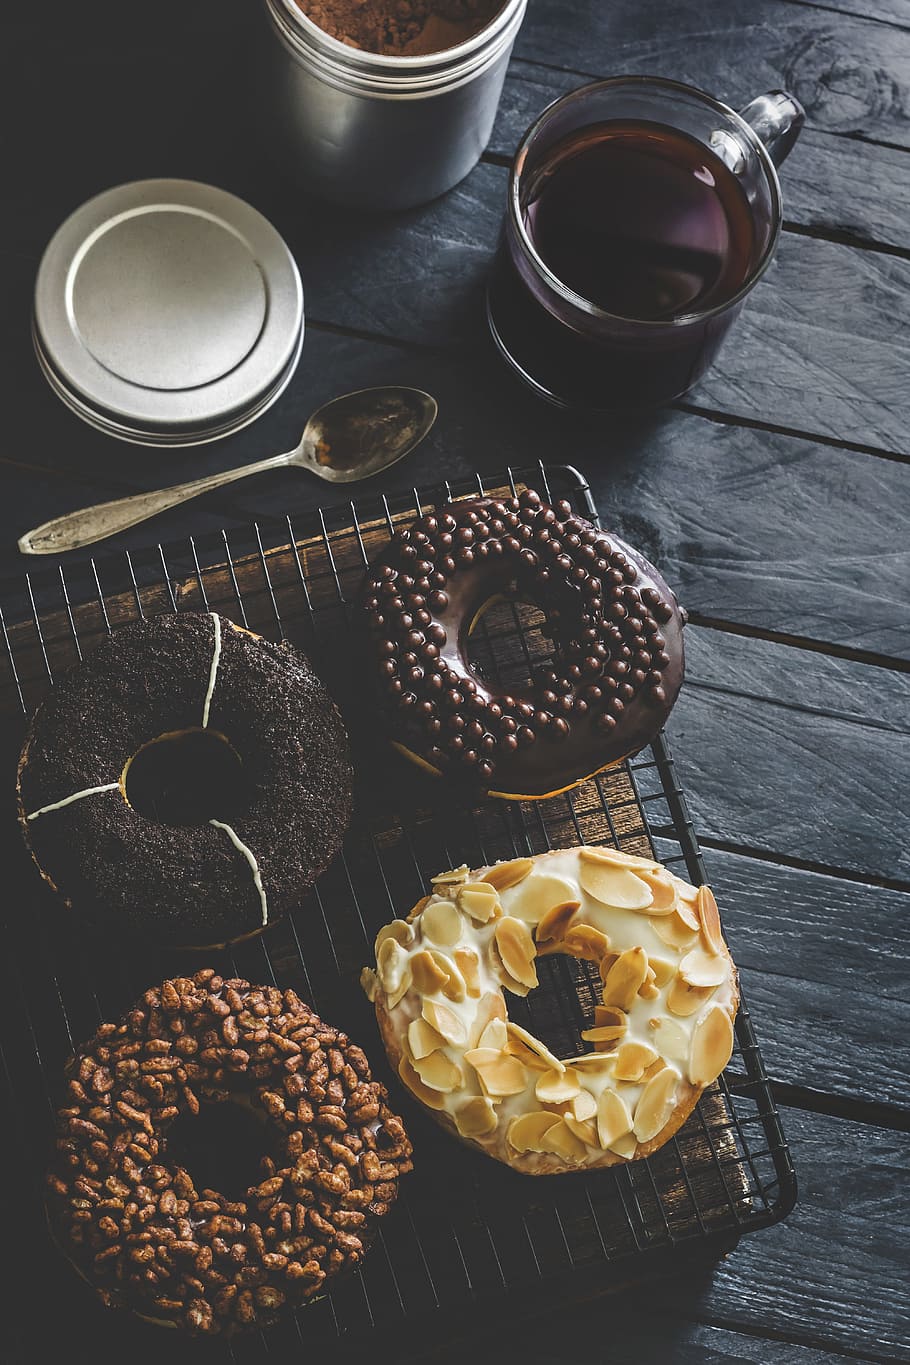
[[251, 859], [76, 796], [213, 671]]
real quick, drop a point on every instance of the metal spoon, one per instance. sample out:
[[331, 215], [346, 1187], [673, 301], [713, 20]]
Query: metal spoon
[[349, 438]]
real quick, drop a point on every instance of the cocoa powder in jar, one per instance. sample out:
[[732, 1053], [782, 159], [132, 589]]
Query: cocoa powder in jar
[[401, 28]]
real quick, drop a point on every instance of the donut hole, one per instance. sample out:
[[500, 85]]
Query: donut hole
[[561, 1006], [186, 777], [223, 1146], [506, 641]]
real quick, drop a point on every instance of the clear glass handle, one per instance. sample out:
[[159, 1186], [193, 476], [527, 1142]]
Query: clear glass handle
[[777, 120]]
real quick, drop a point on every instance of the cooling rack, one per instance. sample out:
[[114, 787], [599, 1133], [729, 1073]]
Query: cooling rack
[[469, 1239]]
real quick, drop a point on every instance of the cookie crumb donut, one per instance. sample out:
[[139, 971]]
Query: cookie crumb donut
[[616, 628], [255, 722], [132, 1219], [662, 1032]]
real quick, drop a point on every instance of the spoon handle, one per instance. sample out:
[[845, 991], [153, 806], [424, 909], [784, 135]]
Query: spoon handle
[[77, 529]]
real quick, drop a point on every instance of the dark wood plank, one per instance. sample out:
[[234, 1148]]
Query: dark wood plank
[[850, 74], [757, 538], [832, 183], [794, 753], [816, 951]]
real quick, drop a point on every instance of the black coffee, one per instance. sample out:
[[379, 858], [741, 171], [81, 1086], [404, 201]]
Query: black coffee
[[641, 219]]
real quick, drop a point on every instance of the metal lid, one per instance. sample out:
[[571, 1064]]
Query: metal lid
[[168, 312]]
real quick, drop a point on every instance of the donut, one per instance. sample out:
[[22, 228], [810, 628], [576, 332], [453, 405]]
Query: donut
[[662, 1032], [132, 1219], [616, 630], [258, 734]]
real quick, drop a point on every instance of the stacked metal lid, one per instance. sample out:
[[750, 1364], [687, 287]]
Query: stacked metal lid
[[168, 312]]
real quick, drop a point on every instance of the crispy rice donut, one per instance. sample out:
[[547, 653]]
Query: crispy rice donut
[[662, 1034], [616, 628], [133, 1222], [194, 885]]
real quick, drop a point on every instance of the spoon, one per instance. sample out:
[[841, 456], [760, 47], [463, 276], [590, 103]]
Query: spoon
[[349, 438]]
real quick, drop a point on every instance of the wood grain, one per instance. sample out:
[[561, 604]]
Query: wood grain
[[793, 753]]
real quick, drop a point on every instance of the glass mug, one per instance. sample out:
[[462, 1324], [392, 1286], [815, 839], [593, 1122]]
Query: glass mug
[[687, 205]]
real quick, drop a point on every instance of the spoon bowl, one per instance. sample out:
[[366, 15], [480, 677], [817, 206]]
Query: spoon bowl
[[349, 438]]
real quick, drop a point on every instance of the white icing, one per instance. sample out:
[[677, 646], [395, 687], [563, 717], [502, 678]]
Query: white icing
[[251, 859], [76, 796], [558, 875], [213, 671]]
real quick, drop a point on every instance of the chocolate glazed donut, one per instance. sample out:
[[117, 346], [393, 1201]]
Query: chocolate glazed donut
[[616, 628]]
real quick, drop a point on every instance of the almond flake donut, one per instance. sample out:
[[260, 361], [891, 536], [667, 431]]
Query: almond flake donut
[[662, 1034]]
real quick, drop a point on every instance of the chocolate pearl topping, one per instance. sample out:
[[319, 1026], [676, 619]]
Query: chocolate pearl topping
[[607, 612]]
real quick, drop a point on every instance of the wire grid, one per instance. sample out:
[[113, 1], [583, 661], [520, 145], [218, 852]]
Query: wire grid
[[467, 1231]]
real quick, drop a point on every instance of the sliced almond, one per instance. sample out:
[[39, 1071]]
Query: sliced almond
[[423, 1038], [664, 970], [398, 929], [699, 968], [610, 884], [432, 1098], [584, 941], [649, 991], [516, 948], [613, 1117], [418, 909], [658, 1065], [561, 1141], [631, 1061], [672, 1040], [537, 894], [468, 963], [603, 1033], [480, 901], [394, 997], [390, 959], [495, 1035], [556, 921], [610, 1014], [684, 1000], [710, 920], [501, 1074], [490, 1006], [441, 923], [594, 1063], [439, 1072], [503, 974], [445, 1021], [369, 983], [626, 1146], [655, 1105], [454, 985], [688, 914], [476, 1117], [528, 1131], [535, 1045], [625, 977], [596, 853], [663, 891], [553, 1088], [686, 891], [428, 976], [712, 1046], [452, 877], [606, 962], [503, 875], [584, 1105], [674, 932], [584, 1129]]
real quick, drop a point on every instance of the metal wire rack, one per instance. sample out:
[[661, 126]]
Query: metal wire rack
[[468, 1234]]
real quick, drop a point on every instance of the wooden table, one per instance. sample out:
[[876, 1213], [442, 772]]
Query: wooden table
[[773, 499]]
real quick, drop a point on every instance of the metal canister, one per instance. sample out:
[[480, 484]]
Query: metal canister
[[377, 131]]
